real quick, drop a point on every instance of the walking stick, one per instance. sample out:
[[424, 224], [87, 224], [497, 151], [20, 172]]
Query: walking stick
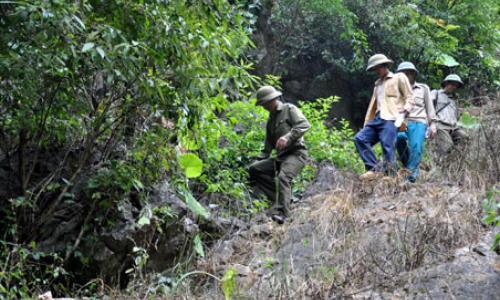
[[276, 181]]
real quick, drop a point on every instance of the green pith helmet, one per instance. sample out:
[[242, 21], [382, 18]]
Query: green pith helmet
[[406, 65], [266, 94], [454, 78], [378, 59]]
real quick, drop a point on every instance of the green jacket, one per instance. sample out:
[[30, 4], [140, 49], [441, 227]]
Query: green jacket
[[287, 121]]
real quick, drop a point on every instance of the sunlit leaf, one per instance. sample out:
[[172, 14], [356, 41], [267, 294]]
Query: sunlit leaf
[[67, 182], [446, 60], [143, 220], [79, 21], [189, 143], [195, 206], [87, 47], [137, 184], [469, 122], [198, 246], [192, 165], [101, 52], [228, 284], [451, 27]]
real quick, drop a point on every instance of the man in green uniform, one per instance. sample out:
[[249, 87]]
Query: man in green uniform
[[284, 130], [448, 133]]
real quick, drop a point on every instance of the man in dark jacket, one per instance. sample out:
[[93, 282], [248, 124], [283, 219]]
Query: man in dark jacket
[[284, 130]]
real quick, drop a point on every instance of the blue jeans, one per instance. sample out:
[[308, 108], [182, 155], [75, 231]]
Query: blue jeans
[[410, 146], [378, 130]]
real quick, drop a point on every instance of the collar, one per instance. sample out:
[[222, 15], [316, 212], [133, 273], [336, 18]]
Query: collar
[[451, 96], [417, 85], [389, 75], [278, 109]]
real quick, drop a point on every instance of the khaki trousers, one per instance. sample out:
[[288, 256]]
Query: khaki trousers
[[446, 138], [263, 174]]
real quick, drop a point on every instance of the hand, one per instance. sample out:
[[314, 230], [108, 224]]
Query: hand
[[432, 133], [404, 110], [281, 143]]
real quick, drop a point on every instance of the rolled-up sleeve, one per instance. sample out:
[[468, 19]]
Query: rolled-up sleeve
[[429, 107], [406, 91]]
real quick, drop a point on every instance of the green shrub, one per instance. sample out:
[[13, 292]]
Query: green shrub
[[327, 145], [230, 143], [24, 272], [491, 207]]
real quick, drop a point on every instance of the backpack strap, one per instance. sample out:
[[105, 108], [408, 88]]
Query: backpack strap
[[436, 102], [436, 99], [445, 106]]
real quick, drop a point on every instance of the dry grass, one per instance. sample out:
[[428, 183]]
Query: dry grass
[[360, 239], [476, 164], [369, 238]]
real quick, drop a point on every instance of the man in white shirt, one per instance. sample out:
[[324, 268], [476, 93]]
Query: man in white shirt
[[410, 143]]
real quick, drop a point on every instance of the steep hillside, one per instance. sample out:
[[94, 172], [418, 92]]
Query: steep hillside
[[364, 240], [386, 239]]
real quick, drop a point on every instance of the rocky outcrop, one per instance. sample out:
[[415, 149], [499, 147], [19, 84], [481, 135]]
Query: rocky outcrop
[[364, 240], [112, 251]]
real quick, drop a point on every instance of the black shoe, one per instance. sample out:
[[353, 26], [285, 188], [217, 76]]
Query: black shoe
[[279, 218]]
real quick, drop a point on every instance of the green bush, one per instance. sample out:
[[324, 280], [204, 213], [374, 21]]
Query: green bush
[[491, 207], [327, 145], [111, 86], [25, 272], [230, 143]]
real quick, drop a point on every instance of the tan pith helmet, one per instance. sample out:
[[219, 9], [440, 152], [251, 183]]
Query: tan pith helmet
[[378, 59], [453, 78], [266, 94]]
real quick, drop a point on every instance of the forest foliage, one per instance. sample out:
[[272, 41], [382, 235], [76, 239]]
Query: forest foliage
[[121, 95], [121, 85], [432, 34], [439, 37]]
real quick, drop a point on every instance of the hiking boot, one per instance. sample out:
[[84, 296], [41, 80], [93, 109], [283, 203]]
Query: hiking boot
[[410, 180], [403, 172], [370, 175], [280, 219]]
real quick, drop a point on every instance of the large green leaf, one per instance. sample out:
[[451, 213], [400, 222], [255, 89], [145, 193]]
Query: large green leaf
[[191, 164], [469, 122], [144, 220], [446, 60], [195, 206]]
